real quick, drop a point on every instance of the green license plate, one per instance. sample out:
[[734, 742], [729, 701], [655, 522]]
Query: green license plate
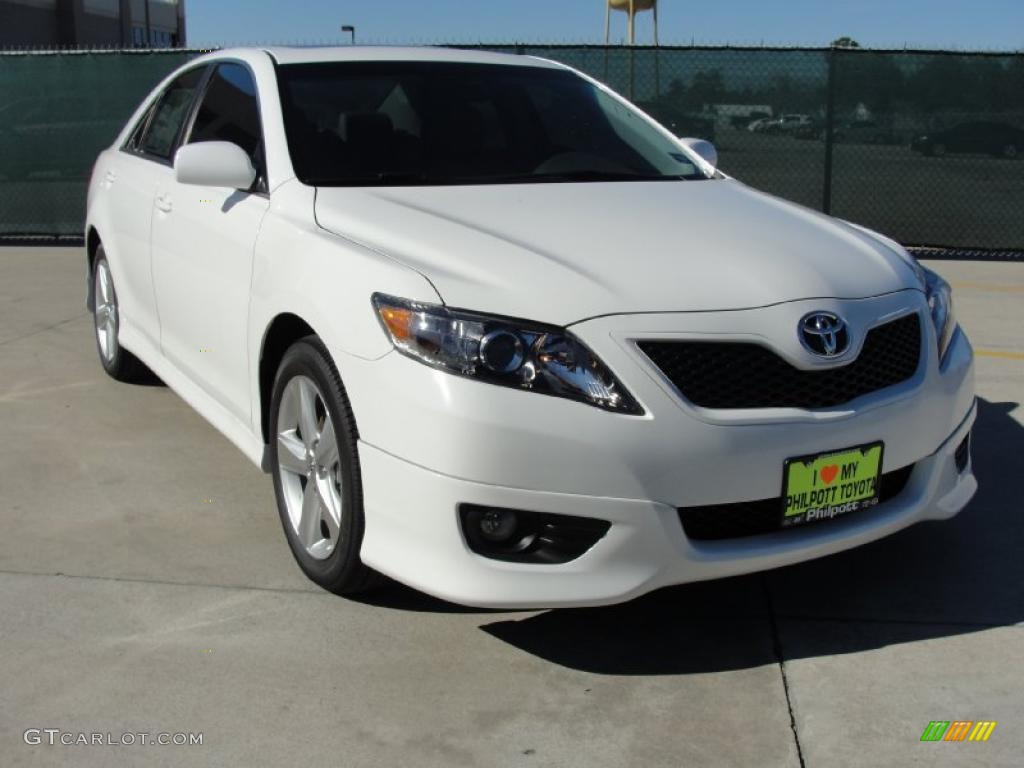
[[827, 485]]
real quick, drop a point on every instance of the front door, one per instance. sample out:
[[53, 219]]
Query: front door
[[203, 242]]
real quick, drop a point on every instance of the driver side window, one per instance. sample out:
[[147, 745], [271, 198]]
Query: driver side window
[[230, 111]]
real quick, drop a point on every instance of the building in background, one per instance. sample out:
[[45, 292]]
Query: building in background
[[85, 23]]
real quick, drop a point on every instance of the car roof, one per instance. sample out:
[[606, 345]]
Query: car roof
[[289, 55]]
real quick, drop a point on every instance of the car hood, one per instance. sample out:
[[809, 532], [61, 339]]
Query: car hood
[[561, 253]]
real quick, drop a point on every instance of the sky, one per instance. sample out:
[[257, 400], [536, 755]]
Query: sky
[[975, 25]]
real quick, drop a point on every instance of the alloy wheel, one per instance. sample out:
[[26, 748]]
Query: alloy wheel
[[105, 312], [309, 467]]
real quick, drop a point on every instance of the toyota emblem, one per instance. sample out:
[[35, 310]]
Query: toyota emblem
[[824, 334]]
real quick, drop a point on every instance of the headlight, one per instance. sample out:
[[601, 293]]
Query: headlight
[[940, 304], [537, 358]]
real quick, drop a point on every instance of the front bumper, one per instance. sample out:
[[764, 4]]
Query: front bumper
[[431, 441]]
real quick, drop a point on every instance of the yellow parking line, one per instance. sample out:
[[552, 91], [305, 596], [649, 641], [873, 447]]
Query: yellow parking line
[[997, 287], [999, 353]]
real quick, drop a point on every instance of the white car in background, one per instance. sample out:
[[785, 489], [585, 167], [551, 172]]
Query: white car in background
[[498, 335], [788, 124]]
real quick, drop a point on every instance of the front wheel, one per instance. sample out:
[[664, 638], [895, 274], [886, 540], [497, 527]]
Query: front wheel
[[315, 465]]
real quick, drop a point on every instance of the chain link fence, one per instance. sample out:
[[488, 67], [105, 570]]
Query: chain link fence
[[57, 112], [927, 147]]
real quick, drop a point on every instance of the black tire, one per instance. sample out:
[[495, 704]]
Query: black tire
[[1010, 151], [938, 150], [342, 571], [117, 361]]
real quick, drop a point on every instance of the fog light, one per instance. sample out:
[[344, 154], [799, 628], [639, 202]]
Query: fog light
[[523, 536], [498, 525]]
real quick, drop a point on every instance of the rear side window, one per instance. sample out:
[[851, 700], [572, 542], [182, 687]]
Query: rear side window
[[134, 143], [169, 115], [230, 111]]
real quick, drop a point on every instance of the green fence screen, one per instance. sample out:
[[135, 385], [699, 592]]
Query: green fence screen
[[57, 111], [927, 147]]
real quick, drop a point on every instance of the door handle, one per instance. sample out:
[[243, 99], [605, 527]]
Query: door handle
[[163, 203], [110, 177]]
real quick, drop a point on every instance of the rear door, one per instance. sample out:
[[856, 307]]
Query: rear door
[[130, 180], [203, 241]]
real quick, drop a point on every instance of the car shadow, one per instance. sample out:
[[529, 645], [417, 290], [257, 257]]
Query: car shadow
[[148, 379], [932, 580], [398, 597]]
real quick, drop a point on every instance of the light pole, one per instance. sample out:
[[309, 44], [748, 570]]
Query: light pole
[[351, 30]]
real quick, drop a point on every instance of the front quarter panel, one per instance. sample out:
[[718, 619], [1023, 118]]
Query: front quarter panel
[[324, 279]]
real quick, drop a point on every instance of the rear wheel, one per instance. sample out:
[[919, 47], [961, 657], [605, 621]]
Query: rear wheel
[[1010, 151], [315, 465], [938, 150], [117, 361]]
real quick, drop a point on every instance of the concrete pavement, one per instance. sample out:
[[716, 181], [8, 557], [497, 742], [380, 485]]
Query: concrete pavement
[[146, 586]]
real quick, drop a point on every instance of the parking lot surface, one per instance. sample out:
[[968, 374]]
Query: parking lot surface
[[146, 587]]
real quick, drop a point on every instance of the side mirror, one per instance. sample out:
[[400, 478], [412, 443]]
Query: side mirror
[[705, 149], [214, 164]]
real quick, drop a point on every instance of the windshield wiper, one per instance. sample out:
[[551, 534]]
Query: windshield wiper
[[411, 179], [592, 175], [384, 179]]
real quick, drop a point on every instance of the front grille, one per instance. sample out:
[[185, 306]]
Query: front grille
[[742, 375], [750, 518]]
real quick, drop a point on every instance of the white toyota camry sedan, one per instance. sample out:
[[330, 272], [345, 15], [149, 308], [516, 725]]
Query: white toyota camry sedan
[[498, 335]]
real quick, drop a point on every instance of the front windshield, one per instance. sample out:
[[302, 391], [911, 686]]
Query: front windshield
[[405, 123]]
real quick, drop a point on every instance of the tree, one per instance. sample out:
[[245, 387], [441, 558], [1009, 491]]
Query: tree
[[873, 79], [708, 87], [845, 42]]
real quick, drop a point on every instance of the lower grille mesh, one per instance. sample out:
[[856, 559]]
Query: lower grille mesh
[[749, 518]]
